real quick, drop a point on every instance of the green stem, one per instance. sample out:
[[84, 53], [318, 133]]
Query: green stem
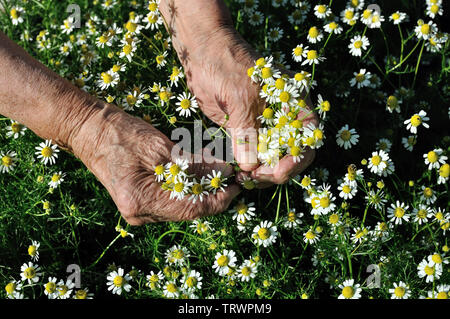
[[417, 64]]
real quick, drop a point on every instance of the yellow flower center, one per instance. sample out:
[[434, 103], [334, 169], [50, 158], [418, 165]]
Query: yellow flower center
[[399, 291], [118, 281], [346, 189], [222, 261], [266, 73], [107, 78], [50, 287], [442, 295], [432, 157], [159, 59], [428, 192], [399, 212], [333, 25], [172, 288], [127, 49], [153, 6], [345, 135], [425, 28], [216, 182], [285, 97], [313, 32], [185, 104], [333, 219], [174, 169], [7, 161], [296, 151], [15, 127], [306, 181], [63, 290], [325, 202], [310, 235], [298, 51], [267, 113], [131, 99], [429, 270], [32, 250], [326, 106], [422, 213], [436, 258], [14, 14], [376, 160], [29, 273], [416, 120], [263, 233], [348, 292], [197, 189], [159, 170], [358, 44], [318, 134], [444, 170], [191, 282], [321, 8], [311, 55], [81, 294], [178, 254], [395, 16], [10, 288], [349, 14], [131, 26]]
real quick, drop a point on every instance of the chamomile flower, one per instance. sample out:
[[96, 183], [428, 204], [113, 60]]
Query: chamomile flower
[[313, 136], [247, 270], [441, 292], [334, 220], [14, 290], [128, 49], [347, 190], [400, 291], [161, 60], [171, 290], [176, 171], [346, 137], [311, 236], [361, 79], [416, 120], [313, 57], [177, 255], [255, 18], [324, 106], [275, 34], [243, 211], [224, 261], [108, 79], [288, 96], [360, 235], [15, 130], [176, 75], [376, 199], [437, 259], [292, 219], [68, 25], [434, 9], [435, 158], [7, 161], [358, 44], [384, 144], [57, 179], [322, 11], [425, 30], [429, 270], [65, 289], [427, 196], [186, 104], [16, 15], [198, 190], [397, 213], [299, 53], [118, 281], [314, 35], [333, 27], [30, 272], [421, 214], [393, 104], [50, 288], [83, 294], [154, 20], [307, 182], [349, 16], [378, 162], [397, 17], [265, 234], [443, 172], [409, 142], [154, 280], [47, 152], [350, 290], [33, 250], [215, 182], [192, 280], [201, 227]]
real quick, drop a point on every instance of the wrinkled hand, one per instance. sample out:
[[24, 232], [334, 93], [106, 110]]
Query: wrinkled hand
[[122, 151], [216, 71]]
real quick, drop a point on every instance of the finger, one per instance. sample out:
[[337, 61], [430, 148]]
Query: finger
[[284, 170], [245, 142]]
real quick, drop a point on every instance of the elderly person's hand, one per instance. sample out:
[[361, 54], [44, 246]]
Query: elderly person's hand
[[216, 59], [121, 150]]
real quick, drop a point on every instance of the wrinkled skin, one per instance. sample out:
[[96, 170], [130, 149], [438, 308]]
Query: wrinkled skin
[[216, 63], [123, 158]]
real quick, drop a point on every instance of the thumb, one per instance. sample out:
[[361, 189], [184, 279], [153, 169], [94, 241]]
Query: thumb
[[245, 143], [219, 202]]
